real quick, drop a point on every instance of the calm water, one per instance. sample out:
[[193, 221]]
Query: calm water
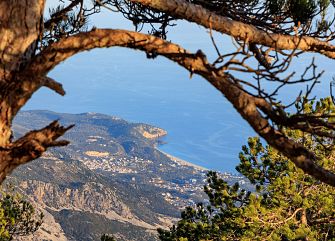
[[202, 126]]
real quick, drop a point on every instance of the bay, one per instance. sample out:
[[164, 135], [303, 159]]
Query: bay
[[202, 126]]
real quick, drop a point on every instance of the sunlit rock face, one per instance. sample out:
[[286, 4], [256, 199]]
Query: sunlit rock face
[[110, 179]]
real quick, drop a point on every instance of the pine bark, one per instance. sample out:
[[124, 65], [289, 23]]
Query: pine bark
[[21, 25]]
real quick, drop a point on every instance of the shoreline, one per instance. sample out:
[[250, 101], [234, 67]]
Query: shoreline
[[182, 162]]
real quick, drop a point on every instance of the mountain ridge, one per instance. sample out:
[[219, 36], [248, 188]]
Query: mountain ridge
[[110, 179]]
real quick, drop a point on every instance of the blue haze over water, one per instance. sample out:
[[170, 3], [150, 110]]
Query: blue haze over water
[[202, 126]]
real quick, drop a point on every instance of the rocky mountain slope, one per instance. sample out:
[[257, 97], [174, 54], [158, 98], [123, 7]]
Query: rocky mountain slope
[[110, 179]]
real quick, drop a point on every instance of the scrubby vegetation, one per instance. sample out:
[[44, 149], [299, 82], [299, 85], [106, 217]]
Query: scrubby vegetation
[[285, 204]]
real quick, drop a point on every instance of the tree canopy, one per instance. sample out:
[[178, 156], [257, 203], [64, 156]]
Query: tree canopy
[[106, 237], [18, 217], [284, 204], [269, 37]]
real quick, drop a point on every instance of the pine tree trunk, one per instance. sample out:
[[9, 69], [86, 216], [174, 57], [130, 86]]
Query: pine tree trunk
[[20, 27]]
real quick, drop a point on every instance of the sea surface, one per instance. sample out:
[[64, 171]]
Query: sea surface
[[203, 128]]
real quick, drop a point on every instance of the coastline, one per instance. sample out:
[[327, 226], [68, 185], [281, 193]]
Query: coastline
[[182, 162]]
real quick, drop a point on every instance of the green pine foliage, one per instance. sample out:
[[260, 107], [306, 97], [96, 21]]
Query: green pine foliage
[[283, 11], [301, 11], [17, 216], [106, 237], [286, 204]]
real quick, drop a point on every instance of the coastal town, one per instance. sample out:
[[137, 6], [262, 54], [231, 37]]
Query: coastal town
[[180, 192]]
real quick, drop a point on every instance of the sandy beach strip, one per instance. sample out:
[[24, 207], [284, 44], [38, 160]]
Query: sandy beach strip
[[183, 162]]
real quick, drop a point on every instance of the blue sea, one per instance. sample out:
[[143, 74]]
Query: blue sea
[[203, 128]]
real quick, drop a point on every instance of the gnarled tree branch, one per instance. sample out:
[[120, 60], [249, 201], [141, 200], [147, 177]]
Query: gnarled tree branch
[[30, 146], [195, 13]]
